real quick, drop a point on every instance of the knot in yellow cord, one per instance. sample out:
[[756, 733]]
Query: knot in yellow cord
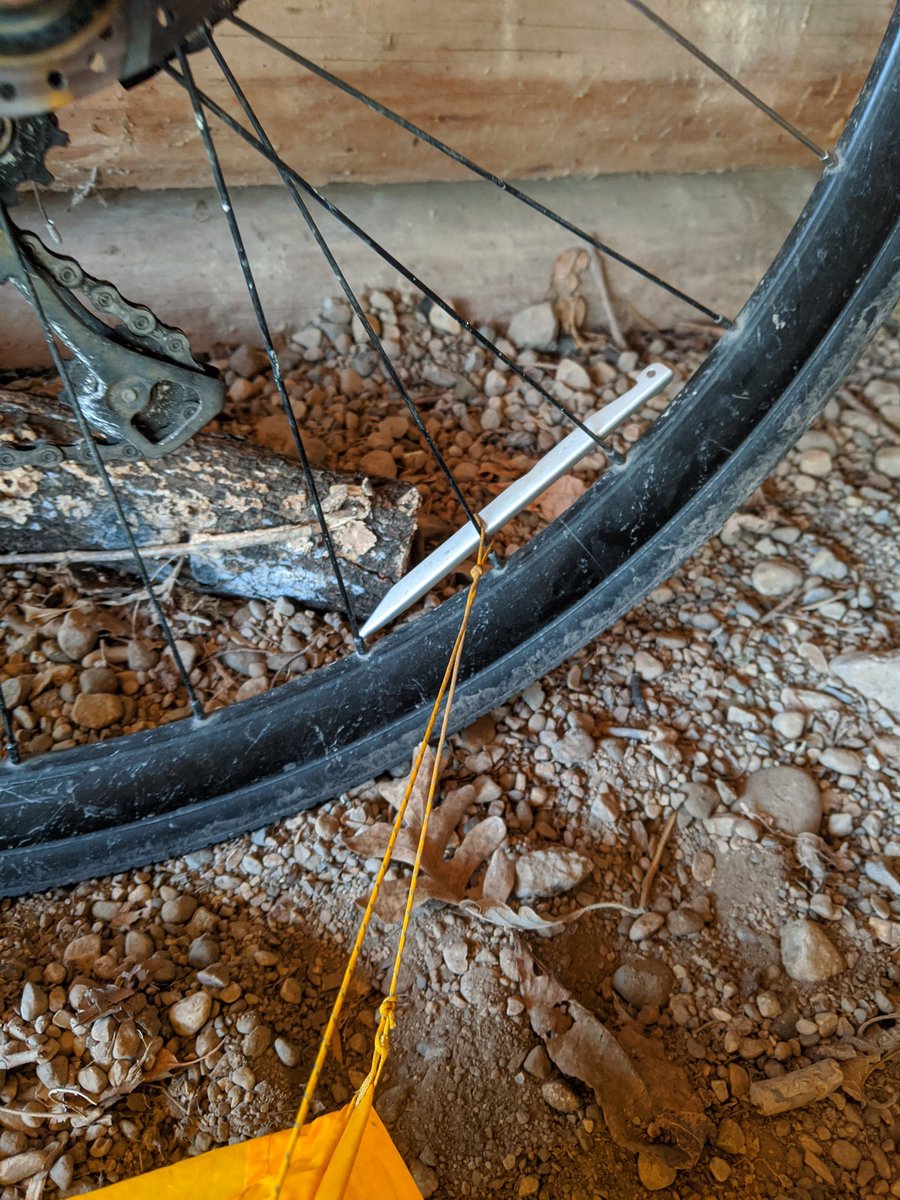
[[476, 572]]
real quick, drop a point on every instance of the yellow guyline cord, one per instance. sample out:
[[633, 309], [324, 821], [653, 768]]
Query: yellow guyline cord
[[388, 1007]]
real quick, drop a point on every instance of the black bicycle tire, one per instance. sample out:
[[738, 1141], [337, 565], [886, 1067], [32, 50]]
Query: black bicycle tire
[[189, 784]]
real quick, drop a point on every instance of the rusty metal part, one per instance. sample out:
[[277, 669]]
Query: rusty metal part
[[139, 385], [24, 143]]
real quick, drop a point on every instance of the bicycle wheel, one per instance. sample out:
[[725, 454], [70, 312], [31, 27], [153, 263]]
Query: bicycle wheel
[[195, 782]]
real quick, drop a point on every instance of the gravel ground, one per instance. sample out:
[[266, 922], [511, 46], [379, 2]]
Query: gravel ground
[[692, 827]]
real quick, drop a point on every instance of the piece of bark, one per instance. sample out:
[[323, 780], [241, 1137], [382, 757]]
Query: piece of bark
[[796, 1089], [237, 513]]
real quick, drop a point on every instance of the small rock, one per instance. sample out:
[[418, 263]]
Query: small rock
[[701, 800], [257, 1041], [808, 954], [883, 871], [642, 981], [128, 1043], [17, 690], [560, 1096], [534, 328], [248, 362], [574, 747], [816, 462], [291, 991], [550, 872], [647, 666], [774, 577], [537, 1063], [844, 762], [529, 1185], [653, 1173], [788, 795], [98, 680], [92, 1079], [845, 1154], [77, 635], [63, 1172], [33, 1003], [378, 462], [82, 952], [138, 946], [424, 1178], [203, 951], [719, 1169], [55, 1073], [684, 922], [789, 724], [287, 1052], [243, 1078], [21, 1166], [141, 656], [97, 711], [573, 375], [875, 676], [179, 910], [456, 956], [188, 1016], [645, 926], [887, 461], [730, 1137]]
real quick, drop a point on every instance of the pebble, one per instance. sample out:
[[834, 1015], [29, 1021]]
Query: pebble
[[98, 679], [537, 1063], [887, 461], [645, 926], [575, 746], [684, 922], [730, 1136], [883, 871], [379, 462], [33, 1002], [789, 724], [647, 666], [560, 1096], [719, 1168], [456, 957], [257, 1041], [424, 1178], [845, 1154], [874, 676], [642, 981], [808, 954], [844, 762], [550, 872], [573, 375], [203, 952], [653, 1173], [816, 462], [287, 1052], [248, 362], [291, 991], [97, 710], [775, 577], [188, 1016], [21, 1166], [788, 795], [534, 328], [92, 1079], [82, 952], [179, 910], [77, 635]]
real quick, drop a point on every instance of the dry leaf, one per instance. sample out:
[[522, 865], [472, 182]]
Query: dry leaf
[[559, 496], [442, 878], [100, 1001], [635, 1085]]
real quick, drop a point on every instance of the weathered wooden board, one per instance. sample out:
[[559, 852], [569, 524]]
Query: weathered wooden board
[[530, 88], [237, 514]]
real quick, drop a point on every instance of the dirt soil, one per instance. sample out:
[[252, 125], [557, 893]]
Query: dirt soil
[[679, 971]]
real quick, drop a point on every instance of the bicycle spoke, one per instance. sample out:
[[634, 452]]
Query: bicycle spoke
[[8, 230], [263, 324], [292, 180], [739, 87], [388, 367], [503, 184]]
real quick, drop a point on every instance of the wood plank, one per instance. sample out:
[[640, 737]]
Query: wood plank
[[530, 89]]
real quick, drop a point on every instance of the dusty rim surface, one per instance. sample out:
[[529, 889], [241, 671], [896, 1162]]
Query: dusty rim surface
[[720, 769]]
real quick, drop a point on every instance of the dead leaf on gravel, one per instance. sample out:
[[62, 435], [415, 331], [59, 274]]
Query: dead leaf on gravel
[[559, 496], [100, 1001], [492, 905], [637, 1088], [443, 877]]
